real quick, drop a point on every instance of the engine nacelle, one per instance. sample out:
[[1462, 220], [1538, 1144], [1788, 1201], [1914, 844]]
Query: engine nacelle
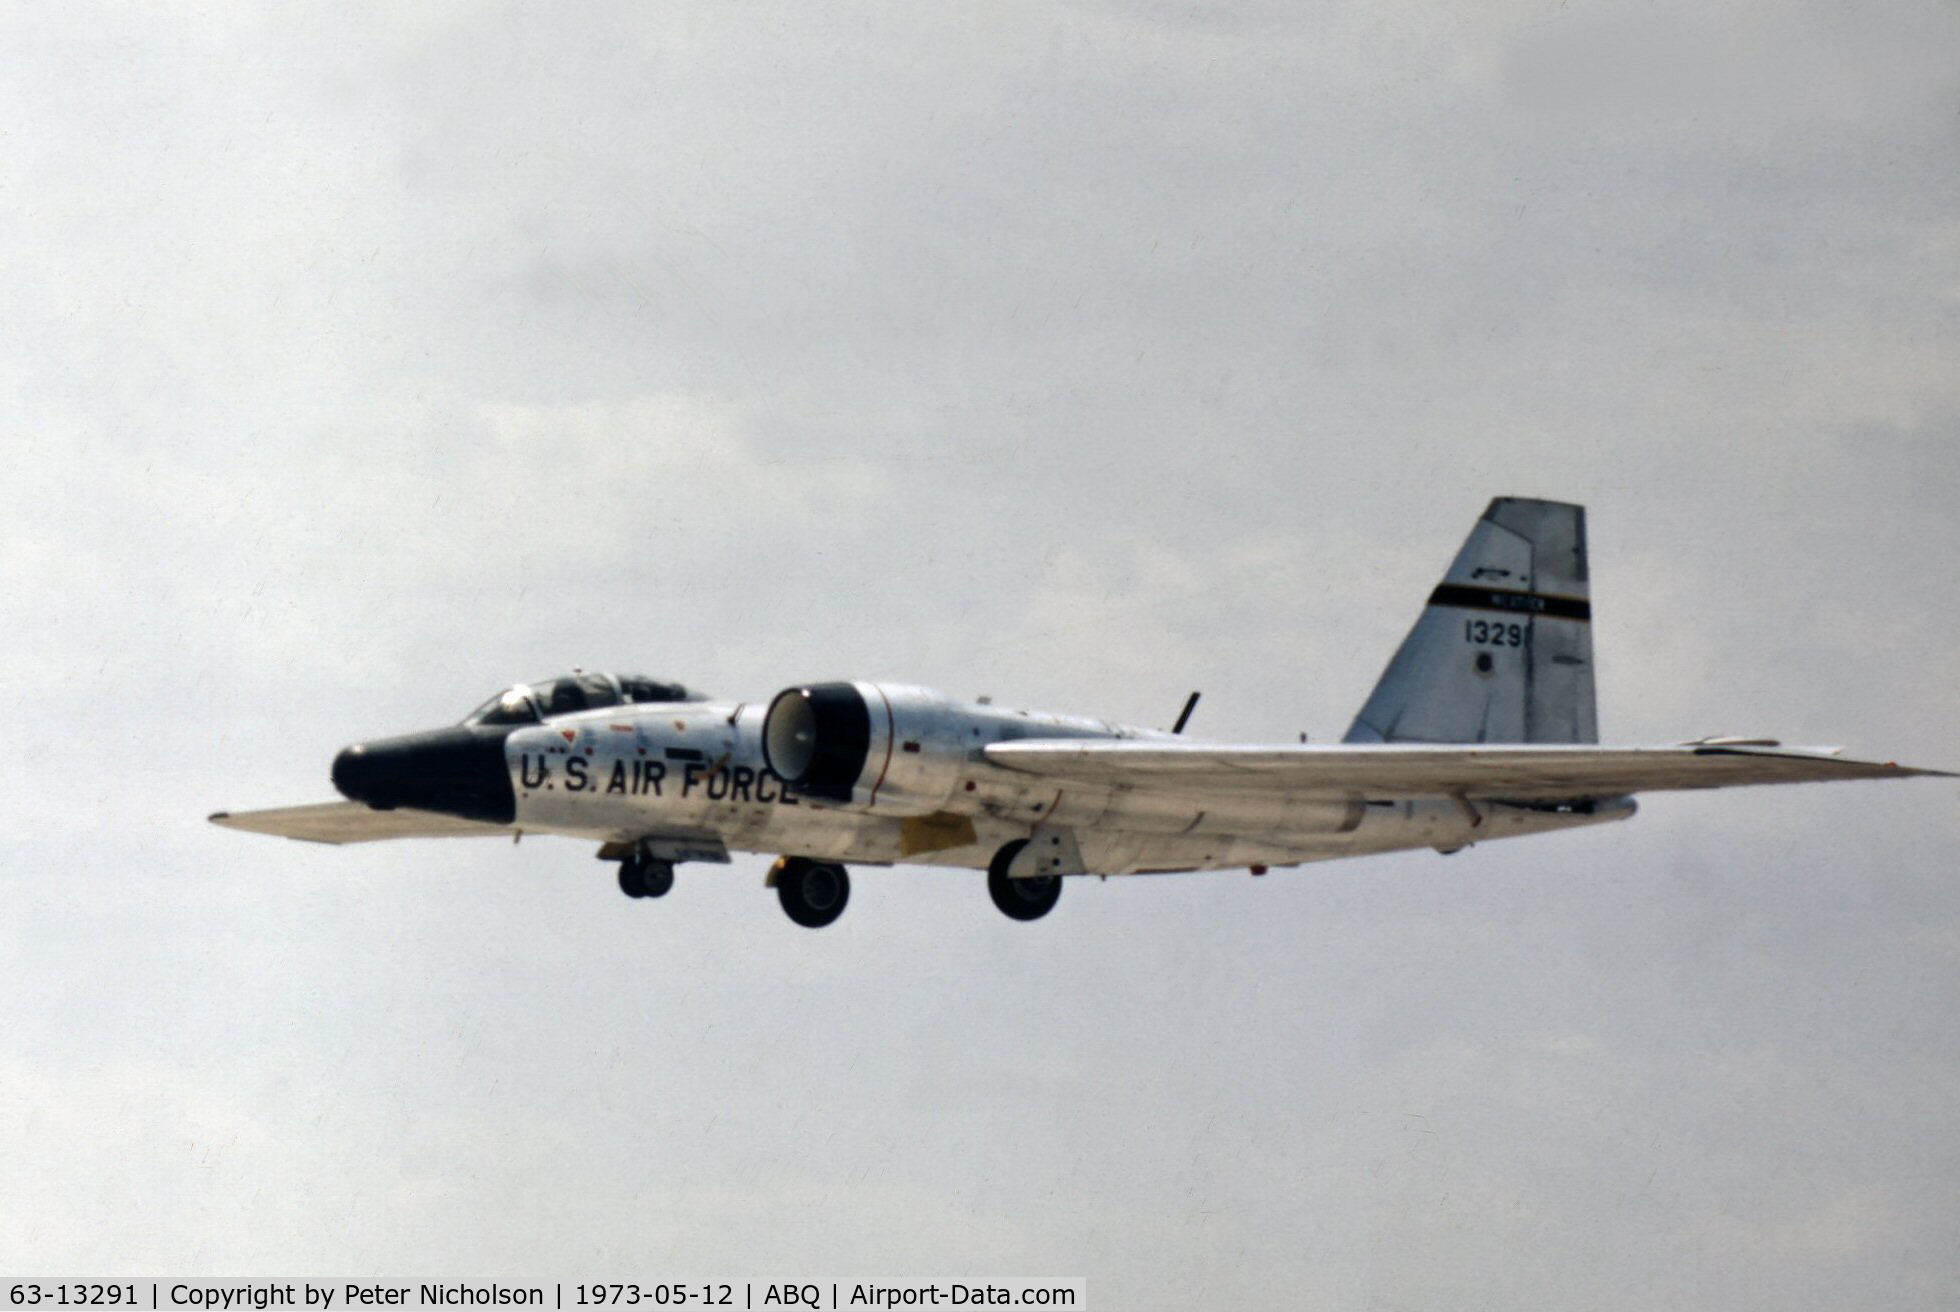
[[870, 746]]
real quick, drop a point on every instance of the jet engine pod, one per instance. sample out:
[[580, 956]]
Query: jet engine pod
[[818, 739], [869, 746]]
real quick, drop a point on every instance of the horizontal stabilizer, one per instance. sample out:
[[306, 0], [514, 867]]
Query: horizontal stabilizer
[[1519, 773], [352, 822]]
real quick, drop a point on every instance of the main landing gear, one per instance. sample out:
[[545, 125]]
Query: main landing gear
[[813, 893], [1022, 899], [643, 876]]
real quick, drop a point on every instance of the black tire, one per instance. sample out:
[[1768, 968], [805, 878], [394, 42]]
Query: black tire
[[1021, 899], [632, 878], [813, 893], [657, 877]]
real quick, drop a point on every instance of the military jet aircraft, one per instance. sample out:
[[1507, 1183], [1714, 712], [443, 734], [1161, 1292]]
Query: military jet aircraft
[[1482, 727]]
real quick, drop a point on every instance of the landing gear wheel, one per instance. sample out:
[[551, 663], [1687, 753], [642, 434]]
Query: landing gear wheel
[[813, 893], [1021, 899], [658, 876], [642, 876]]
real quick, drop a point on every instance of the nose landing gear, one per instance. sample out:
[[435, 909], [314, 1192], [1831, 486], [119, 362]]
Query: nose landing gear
[[643, 876]]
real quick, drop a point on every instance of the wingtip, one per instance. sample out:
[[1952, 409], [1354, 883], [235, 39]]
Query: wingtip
[[1913, 771]]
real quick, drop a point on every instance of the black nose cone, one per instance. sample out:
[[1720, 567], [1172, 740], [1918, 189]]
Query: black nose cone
[[351, 774], [457, 771]]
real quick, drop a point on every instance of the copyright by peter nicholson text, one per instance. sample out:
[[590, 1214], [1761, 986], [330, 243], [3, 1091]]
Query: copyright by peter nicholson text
[[186, 1294]]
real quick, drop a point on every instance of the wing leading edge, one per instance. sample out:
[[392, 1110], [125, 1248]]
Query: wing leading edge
[[352, 822], [1521, 773]]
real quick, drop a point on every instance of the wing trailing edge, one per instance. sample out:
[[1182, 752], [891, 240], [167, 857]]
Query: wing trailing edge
[[1518, 773]]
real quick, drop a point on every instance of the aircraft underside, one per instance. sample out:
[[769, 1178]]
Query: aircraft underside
[[1386, 826]]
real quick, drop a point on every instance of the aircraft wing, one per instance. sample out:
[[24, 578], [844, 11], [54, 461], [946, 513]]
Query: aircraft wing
[[1497, 772], [352, 822]]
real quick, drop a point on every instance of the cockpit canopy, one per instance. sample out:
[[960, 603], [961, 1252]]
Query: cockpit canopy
[[528, 703]]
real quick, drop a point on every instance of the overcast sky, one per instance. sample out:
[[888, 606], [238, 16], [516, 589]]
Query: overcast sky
[[354, 364]]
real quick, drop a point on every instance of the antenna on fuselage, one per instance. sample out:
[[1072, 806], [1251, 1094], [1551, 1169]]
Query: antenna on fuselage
[[1184, 716]]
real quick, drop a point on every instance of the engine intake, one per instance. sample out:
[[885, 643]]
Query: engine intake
[[818, 738]]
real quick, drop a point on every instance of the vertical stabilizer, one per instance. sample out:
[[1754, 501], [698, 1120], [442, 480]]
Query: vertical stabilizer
[[1503, 651]]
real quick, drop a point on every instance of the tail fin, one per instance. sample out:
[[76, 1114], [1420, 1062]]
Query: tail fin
[[1503, 651]]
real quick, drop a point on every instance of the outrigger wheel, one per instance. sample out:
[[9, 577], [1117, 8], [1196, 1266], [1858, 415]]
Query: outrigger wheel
[[813, 893], [1022, 899], [642, 876]]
